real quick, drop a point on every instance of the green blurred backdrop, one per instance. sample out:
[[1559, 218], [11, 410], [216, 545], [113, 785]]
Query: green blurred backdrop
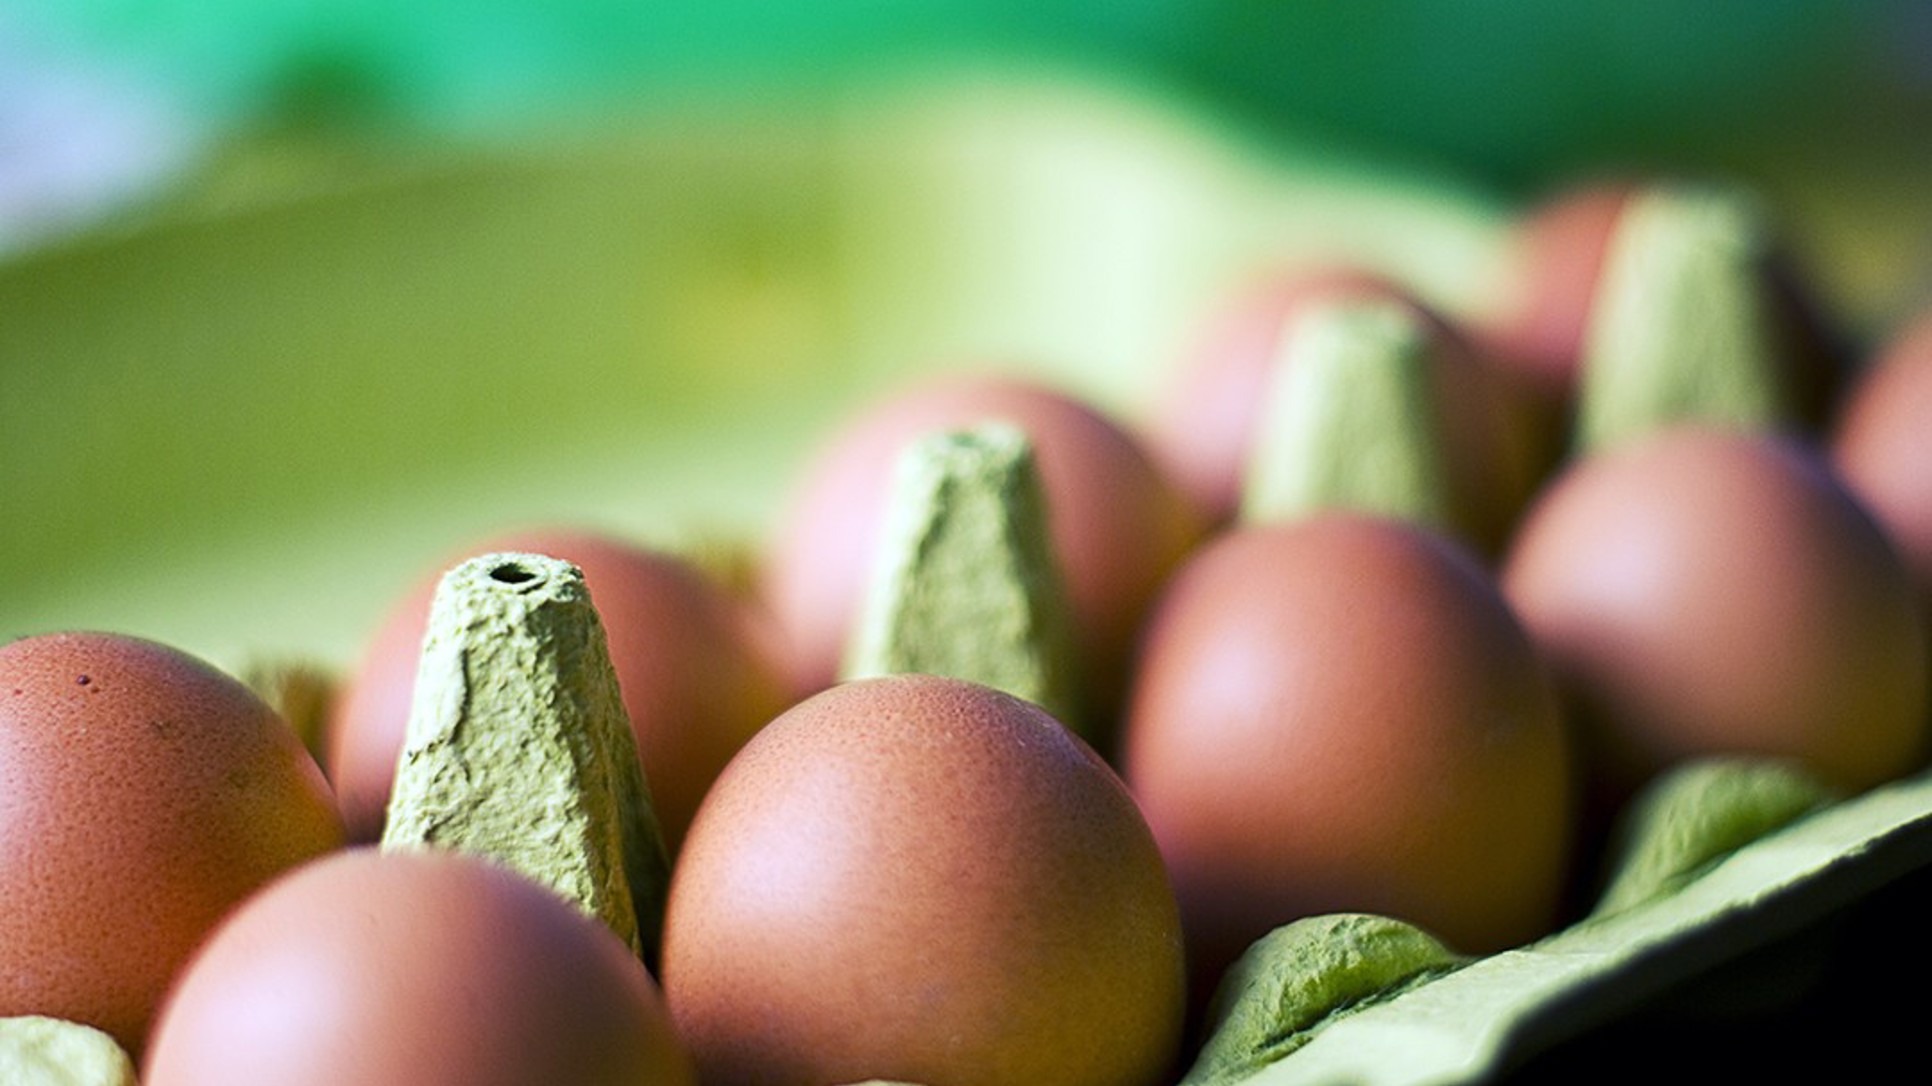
[[332, 287], [1506, 89]]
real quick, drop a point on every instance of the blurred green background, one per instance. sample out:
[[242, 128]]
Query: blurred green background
[[1508, 90], [298, 295]]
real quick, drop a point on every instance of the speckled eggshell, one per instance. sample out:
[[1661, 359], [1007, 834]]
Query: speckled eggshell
[[413, 969], [700, 672], [1882, 446], [1339, 714], [1703, 592], [1118, 524], [922, 880], [143, 793]]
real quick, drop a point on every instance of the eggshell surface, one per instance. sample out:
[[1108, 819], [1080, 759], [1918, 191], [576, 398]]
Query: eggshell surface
[[413, 969], [1563, 249], [1558, 253], [1202, 427], [922, 880], [1882, 445], [143, 793], [1208, 424], [1339, 714], [1118, 525], [699, 671], [1703, 592]]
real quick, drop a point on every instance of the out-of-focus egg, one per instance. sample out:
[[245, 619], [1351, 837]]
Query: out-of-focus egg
[[1558, 250], [1118, 525], [1883, 447], [1202, 426], [699, 670], [1206, 425], [1703, 592], [143, 793], [1340, 714], [923, 880], [1562, 247], [413, 969]]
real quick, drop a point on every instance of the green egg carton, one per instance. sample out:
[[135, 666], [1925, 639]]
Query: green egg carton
[[1721, 939], [242, 420]]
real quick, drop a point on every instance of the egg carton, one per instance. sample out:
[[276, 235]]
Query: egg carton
[[1737, 929], [1749, 918]]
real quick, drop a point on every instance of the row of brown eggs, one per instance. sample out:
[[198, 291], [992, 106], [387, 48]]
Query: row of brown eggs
[[926, 881]]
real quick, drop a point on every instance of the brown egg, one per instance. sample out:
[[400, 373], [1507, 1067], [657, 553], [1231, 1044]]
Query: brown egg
[[1205, 425], [922, 880], [413, 969], [1883, 447], [1560, 250], [1204, 421], [1340, 715], [1118, 525], [700, 672], [1703, 592], [142, 794]]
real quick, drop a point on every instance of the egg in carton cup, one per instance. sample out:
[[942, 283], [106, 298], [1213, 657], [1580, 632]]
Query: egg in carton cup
[[1717, 858]]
